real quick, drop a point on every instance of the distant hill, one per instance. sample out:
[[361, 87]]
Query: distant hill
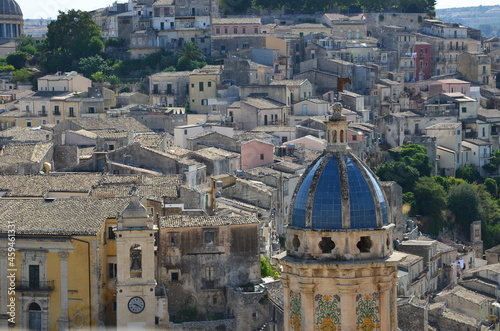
[[485, 18]]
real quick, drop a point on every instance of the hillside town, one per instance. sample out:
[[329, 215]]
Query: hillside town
[[326, 171]]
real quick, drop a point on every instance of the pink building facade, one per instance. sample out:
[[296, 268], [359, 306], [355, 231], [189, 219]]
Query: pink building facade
[[256, 153], [224, 26], [449, 86]]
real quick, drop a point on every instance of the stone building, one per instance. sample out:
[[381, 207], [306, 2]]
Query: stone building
[[339, 272], [201, 259]]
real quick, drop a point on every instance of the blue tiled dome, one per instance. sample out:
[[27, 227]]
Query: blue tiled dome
[[10, 7], [338, 192]]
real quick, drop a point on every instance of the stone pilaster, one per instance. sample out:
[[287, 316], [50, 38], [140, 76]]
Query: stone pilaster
[[63, 320], [307, 301]]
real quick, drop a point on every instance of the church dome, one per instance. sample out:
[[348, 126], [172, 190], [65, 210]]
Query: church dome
[[10, 7], [338, 192]]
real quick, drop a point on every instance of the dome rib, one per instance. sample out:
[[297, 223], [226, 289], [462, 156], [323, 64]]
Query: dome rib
[[10, 7]]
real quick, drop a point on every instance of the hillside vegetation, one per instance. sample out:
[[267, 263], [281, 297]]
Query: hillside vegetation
[[484, 18]]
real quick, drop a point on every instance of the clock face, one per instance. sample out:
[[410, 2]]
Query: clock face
[[136, 305]]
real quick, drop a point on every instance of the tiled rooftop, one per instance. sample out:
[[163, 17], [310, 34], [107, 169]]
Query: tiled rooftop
[[179, 221], [19, 134], [77, 216], [123, 190], [39, 185], [15, 154], [214, 153], [120, 123]]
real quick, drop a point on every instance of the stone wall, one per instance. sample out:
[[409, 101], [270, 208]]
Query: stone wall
[[213, 140], [251, 309], [65, 156], [411, 316], [410, 21], [204, 270], [139, 157]]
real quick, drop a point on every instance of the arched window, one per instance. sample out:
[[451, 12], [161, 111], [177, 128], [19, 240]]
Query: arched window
[[334, 138], [135, 261], [34, 316], [341, 136], [265, 119]]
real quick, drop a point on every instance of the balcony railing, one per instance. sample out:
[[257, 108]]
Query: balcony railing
[[27, 286], [42, 113]]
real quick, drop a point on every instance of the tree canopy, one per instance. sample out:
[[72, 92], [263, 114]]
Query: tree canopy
[[415, 156], [72, 36], [463, 201], [430, 202], [400, 172]]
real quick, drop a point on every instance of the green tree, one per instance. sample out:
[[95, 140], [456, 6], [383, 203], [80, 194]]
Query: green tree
[[400, 172], [18, 59], [21, 76], [113, 80], [73, 36], [190, 57], [231, 7], [414, 156], [430, 200], [491, 186], [89, 65], [267, 269], [492, 167], [468, 172], [463, 201], [98, 77], [7, 68]]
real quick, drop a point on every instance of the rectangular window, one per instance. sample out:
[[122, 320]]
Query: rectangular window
[[27, 108], [173, 239], [204, 102], [209, 237], [200, 86], [28, 124], [112, 268], [262, 156], [244, 30], [256, 30], [209, 84], [464, 109], [174, 277], [217, 31], [111, 233], [91, 110], [34, 276], [209, 273], [56, 110], [235, 30], [71, 112]]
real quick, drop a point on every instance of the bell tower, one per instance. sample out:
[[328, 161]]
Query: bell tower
[[135, 282]]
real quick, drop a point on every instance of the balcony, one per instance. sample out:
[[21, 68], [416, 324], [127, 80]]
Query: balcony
[[42, 113], [57, 113], [27, 286]]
